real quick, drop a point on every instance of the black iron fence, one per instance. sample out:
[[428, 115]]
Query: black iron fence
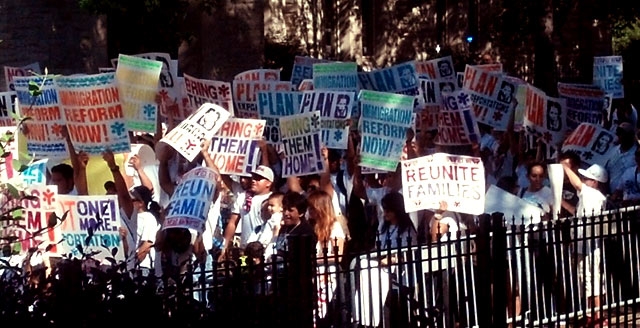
[[563, 273]]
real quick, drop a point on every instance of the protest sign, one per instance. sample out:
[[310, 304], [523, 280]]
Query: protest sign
[[401, 79], [93, 113], [458, 180], [384, 123], [44, 129], [427, 69], [584, 103], [306, 85], [335, 111], [607, 74], [191, 200], [35, 174], [32, 230], [10, 73], [335, 76], [556, 181], [516, 210], [201, 91], [187, 137], [145, 154], [456, 122], [180, 108], [545, 116], [261, 74], [301, 135], [272, 105], [245, 95], [92, 223], [7, 108], [137, 80], [491, 95], [593, 143], [303, 69], [168, 74], [234, 147], [106, 69]]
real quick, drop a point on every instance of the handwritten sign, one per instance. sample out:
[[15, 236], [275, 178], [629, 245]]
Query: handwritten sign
[[92, 222], [301, 141], [401, 79], [607, 74], [584, 103], [191, 200], [303, 69], [491, 95], [190, 133], [7, 107], [455, 179], [93, 112], [245, 95], [137, 80], [272, 105], [234, 147], [593, 143], [545, 116], [44, 137], [10, 73], [456, 122], [200, 91], [335, 110], [384, 123]]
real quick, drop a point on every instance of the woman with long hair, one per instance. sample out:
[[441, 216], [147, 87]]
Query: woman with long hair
[[325, 224], [397, 224]]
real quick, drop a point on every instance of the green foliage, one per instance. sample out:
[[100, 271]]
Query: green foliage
[[625, 32]]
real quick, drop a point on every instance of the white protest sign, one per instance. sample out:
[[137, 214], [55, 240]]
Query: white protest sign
[[593, 143], [234, 147], [7, 108], [556, 179], [191, 200], [545, 116], [456, 122], [187, 137], [455, 179], [245, 95], [427, 69], [584, 103], [10, 73], [491, 95], [302, 146], [335, 109], [200, 91], [515, 209], [607, 73]]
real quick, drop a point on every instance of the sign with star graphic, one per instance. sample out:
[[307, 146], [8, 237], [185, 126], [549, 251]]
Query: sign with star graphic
[[35, 174], [544, 117], [456, 122], [93, 113], [190, 133], [200, 91], [234, 148], [455, 179], [593, 143], [272, 105], [33, 230], [491, 96], [335, 110], [44, 130], [301, 135], [138, 80], [383, 124]]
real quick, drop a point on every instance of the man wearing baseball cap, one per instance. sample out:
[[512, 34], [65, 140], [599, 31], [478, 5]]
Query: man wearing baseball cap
[[249, 216]]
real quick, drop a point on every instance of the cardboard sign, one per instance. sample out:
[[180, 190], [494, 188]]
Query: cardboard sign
[[93, 112], [187, 137], [44, 130], [98, 214], [301, 141], [455, 179], [593, 143], [234, 147], [191, 200], [137, 80], [384, 123], [335, 110], [607, 74]]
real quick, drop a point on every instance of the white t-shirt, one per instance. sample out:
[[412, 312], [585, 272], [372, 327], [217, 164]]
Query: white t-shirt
[[447, 219], [591, 201], [264, 234], [251, 219], [336, 232], [618, 163], [340, 200], [146, 231], [542, 198], [630, 184]]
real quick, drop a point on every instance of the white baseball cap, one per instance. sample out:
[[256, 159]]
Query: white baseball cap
[[595, 172], [264, 171]]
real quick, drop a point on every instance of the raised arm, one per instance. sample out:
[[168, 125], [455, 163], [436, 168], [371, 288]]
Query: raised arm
[[574, 179], [124, 200], [79, 163], [144, 179]]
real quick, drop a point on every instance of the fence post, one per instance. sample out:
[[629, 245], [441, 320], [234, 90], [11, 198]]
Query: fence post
[[483, 249], [301, 291], [499, 264]]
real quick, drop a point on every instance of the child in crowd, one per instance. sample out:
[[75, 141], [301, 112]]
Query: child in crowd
[[267, 233]]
